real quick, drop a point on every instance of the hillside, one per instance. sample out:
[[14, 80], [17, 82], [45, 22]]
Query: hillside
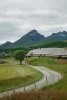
[[6, 45], [60, 44], [60, 36], [30, 38]]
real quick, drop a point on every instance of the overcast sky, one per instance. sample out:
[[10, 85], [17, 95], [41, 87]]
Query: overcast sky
[[18, 17]]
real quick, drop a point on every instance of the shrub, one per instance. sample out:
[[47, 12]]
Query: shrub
[[2, 61]]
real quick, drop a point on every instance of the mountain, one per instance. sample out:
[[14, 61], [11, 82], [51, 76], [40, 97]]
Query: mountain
[[7, 44], [60, 36], [30, 38], [35, 38]]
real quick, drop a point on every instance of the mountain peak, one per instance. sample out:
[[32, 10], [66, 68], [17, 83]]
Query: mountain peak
[[59, 36], [30, 38], [33, 32], [7, 44]]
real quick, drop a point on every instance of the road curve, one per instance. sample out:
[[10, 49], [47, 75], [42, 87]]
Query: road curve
[[49, 77]]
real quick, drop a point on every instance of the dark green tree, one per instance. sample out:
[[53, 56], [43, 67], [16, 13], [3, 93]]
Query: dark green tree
[[19, 55]]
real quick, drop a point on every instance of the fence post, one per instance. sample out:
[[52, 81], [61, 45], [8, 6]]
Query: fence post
[[61, 76], [24, 88], [53, 78], [35, 85], [58, 79], [46, 80]]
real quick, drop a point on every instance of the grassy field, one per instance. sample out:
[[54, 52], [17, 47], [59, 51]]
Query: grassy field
[[14, 76], [56, 65], [57, 91]]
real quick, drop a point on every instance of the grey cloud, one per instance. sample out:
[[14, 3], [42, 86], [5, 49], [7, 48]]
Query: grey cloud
[[9, 31], [17, 17]]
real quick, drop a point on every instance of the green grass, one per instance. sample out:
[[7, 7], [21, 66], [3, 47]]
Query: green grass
[[14, 76], [53, 64]]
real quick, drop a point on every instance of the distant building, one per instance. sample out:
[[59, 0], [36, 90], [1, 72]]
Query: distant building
[[48, 52]]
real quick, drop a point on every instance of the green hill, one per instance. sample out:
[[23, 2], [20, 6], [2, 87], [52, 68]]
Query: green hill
[[61, 44]]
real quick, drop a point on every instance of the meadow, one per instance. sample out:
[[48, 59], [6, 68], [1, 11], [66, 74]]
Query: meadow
[[14, 76]]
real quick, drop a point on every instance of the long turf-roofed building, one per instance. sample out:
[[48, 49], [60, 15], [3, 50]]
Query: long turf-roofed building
[[48, 52]]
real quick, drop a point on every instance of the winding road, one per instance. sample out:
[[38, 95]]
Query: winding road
[[49, 77]]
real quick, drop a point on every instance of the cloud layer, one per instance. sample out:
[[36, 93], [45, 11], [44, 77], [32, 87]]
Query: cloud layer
[[17, 17]]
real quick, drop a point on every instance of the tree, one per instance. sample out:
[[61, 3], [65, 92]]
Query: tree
[[19, 55]]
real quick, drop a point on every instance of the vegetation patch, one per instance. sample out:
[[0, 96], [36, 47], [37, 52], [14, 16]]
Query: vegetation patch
[[14, 76], [38, 95], [62, 61]]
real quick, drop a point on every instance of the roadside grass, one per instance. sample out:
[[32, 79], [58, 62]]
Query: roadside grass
[[55, 65], [14, 76], [37, 95], [31, 58]]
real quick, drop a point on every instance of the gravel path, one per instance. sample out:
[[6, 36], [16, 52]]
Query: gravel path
[[49, 77]]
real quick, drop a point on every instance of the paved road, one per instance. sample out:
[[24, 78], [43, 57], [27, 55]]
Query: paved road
[[49, 77]]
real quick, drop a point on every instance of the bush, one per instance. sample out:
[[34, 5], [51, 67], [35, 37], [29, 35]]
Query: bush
[[2, 61]]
